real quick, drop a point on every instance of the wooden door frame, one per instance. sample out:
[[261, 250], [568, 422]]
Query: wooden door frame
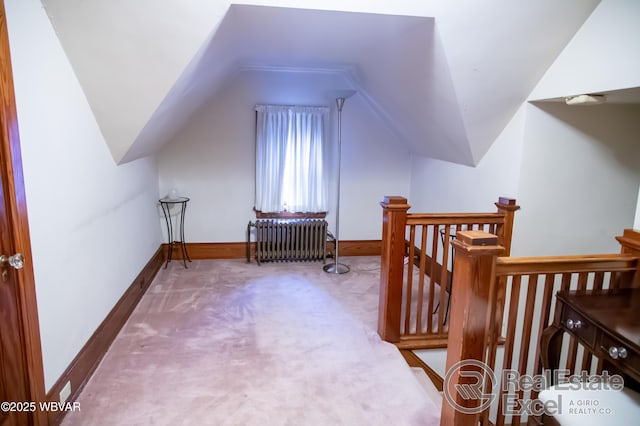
[[12, 174]]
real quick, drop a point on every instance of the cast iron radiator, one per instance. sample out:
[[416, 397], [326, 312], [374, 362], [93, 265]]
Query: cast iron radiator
[[289, 239]]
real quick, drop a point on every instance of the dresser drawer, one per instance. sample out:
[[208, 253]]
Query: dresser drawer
[[577, 325], [629, 358]]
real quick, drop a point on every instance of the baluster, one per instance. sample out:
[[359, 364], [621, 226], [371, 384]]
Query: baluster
[[408, 308]]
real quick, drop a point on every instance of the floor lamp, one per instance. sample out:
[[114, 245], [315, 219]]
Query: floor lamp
[[335, 267]]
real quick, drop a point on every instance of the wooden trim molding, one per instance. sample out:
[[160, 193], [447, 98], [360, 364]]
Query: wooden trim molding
[[236, 250], [85, 363], [203, 251], [359, 247]]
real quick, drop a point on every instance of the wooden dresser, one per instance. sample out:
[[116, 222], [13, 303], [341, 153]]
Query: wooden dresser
[[606, 322]]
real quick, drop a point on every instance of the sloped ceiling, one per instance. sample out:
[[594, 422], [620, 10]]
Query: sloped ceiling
[[445, 77]]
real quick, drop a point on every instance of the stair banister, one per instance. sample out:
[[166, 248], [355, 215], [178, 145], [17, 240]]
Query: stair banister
[[476, 253], [394, 220]]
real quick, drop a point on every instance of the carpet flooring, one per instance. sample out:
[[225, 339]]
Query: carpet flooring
[[229, 343]]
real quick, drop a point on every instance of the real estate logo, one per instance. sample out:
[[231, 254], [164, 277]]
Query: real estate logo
[[474, 374], [471, 386]]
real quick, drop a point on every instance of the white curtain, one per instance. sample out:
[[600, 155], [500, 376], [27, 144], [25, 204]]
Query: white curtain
[[290, 166]]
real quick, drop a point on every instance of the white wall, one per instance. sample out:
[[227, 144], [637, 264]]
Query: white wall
[[587, 153], [374, 164], [602, 56], [439, 186], [574, 163], [92, 223], [575, 172], [212, 159], [579, 183]]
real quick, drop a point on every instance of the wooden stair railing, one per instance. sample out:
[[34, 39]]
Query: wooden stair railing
[[513, 299], [416, 267]]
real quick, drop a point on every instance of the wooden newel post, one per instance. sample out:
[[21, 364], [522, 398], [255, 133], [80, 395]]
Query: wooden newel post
[[508, 207], [394, 221], [630, 244], [476, 253]]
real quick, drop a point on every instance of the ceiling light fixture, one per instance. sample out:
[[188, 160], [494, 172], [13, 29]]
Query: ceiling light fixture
[[585, 100]]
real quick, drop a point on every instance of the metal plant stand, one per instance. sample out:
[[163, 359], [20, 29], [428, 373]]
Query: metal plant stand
[[166, 204]]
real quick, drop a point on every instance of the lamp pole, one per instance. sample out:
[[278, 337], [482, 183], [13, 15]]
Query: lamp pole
[[335, 267]]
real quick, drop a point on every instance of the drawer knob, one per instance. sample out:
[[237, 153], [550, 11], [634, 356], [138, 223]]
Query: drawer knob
[[615, 352], [574, 324], [622, 352]]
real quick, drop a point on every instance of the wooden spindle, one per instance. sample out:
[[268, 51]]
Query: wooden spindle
[[445, 285], [545, 315], [598, 280], [423, 253], [408, 298], [394, 220], [435, 278], [509, 343]]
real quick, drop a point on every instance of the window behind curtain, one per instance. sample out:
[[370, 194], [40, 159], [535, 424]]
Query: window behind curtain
[[290, 173]]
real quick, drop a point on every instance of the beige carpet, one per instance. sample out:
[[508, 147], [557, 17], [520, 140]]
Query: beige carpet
[[230, 343]]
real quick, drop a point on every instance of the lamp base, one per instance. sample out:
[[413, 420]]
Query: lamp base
[[336, 268]]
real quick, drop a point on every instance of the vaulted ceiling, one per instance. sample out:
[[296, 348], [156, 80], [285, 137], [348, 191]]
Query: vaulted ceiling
[[445, 77]]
